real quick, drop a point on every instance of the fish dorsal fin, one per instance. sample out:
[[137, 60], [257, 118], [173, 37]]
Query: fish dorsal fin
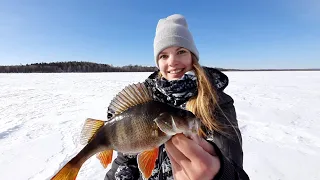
[[130, 96], [90, 128]]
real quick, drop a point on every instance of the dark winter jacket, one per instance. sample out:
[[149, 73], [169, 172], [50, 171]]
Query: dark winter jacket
[[228, 148]]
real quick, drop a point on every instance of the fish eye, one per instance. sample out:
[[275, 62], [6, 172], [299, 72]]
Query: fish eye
[[182, 113]]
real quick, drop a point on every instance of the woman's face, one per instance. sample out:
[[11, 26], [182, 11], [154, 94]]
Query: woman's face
[[174, 62]]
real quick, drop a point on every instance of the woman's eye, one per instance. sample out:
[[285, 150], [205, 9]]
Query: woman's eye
[[182, 51], [163, 56]]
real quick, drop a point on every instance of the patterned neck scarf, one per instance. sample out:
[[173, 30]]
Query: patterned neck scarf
[[175, 92]]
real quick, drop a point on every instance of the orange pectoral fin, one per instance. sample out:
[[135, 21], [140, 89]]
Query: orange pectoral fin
[[105, 157], [146, 161]]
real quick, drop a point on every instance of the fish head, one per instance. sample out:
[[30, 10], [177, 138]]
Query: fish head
[[186, 122], [179, 121]]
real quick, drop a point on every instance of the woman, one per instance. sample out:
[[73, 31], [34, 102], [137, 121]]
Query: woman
[[182, 82]]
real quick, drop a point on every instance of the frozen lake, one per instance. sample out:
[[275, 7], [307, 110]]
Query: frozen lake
[[41, 116]]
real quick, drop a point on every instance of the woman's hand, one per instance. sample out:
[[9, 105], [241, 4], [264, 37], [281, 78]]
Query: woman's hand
[[192, 159]]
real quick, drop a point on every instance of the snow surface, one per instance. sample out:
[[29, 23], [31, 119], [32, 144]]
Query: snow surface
[[42, 115]]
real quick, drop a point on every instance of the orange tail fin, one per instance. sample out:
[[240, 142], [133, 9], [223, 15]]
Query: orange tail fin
[[68, 172]]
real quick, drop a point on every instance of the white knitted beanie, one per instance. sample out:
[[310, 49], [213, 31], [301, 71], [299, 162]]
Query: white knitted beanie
[[173, 31]]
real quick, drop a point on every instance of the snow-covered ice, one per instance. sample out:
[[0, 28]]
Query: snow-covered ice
[[41, 116]]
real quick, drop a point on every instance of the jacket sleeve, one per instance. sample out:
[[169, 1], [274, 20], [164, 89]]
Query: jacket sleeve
[[228, 146]]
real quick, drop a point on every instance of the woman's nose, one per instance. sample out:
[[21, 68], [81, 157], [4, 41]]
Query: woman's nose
[[172, 60]]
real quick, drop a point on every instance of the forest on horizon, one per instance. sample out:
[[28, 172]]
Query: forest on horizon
[[85, 67]]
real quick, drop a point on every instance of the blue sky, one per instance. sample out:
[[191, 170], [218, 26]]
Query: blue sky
[[228, 34]]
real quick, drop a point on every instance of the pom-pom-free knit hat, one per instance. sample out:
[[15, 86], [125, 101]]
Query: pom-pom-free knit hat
[[173, 31]]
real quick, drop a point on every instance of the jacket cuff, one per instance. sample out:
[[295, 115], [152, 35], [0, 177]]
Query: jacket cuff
[[227, 170]]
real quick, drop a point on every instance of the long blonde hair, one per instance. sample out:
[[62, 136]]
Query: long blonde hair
[[205, 103]]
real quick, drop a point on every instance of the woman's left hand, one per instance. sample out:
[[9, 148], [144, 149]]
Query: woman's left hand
[[192, 158]]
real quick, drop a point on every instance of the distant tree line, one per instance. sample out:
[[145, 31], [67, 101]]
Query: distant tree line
[[73, 66]]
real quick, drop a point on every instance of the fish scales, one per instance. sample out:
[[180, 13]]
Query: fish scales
[[134, 131]]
